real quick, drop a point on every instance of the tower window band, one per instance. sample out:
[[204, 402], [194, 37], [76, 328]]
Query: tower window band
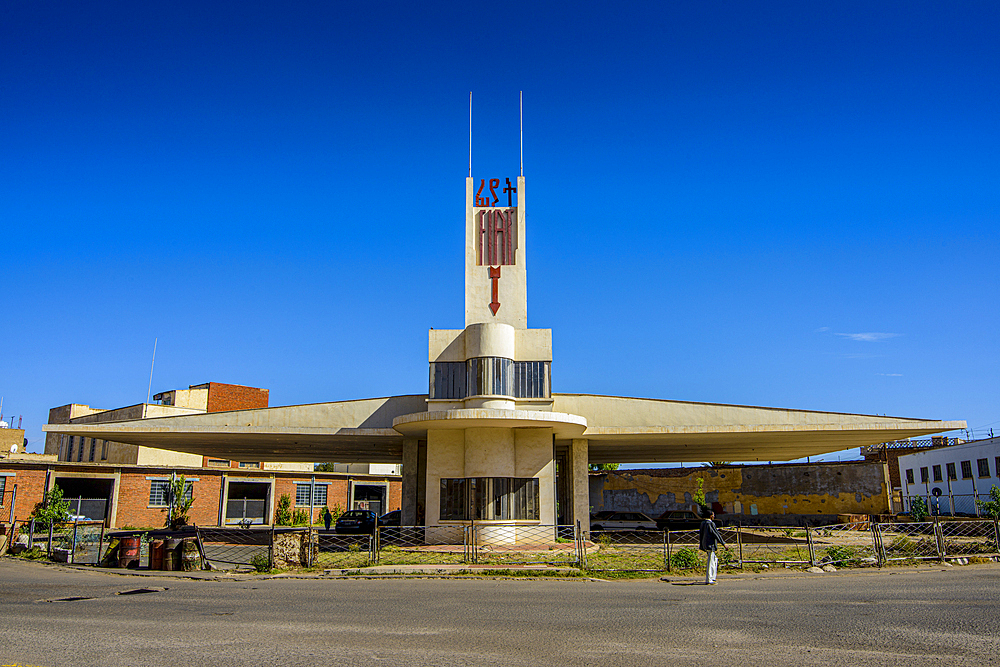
[[490, 376]]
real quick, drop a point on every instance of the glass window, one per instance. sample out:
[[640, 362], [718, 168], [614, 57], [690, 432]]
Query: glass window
[[909, 476], [249, 464], [951, 471], [158, 491], [302, 494], [93, 449], [448, 379], [490, 376], [104, 450], [966, 469], [3, 487], [491, 499], [79, 450], [454, 500], [996, 465], [923, 476], [936, 470], [984, 467], [531, 379], [217, 463]]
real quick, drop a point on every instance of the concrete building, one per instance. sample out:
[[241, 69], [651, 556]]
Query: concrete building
[[490, 441], [196, 399], [951, 479]]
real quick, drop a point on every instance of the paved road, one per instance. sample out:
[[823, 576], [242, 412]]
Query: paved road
[[931, 617]]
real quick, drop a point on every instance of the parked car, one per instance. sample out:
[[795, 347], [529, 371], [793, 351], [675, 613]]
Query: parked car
[[603, 514], [680, 520], [624, 521], [392, 518], [357, 522]]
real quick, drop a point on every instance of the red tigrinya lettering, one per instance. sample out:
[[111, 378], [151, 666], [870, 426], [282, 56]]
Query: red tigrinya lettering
[[480, 201], [482, 235], [494, 184], [496, 231]]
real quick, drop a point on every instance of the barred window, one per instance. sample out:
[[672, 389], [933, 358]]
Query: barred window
[[217, 463], [490, 499], [996, 465], [951, 470], [909, 476], [936, 470], [3, 488], [984, 467], [93, 449], [159, 492], [923, 476], [302, 494], [490, 376], [79, 451], [966, 469], [249, 464]]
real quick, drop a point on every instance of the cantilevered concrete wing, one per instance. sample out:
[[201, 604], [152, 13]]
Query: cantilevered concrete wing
[[637, 430], [618, 430]]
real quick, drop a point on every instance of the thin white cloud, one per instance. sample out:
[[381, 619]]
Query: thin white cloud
[[822, 329], [869, 337], [890, 375]]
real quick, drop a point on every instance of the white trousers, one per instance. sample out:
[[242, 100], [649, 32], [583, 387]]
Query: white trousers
[[713, 567]]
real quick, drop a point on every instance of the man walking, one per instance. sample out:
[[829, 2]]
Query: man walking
[[708, 539]]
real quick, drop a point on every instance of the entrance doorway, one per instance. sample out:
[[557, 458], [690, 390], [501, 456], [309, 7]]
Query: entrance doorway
[[369, 497], [247, 502], [89, 498]]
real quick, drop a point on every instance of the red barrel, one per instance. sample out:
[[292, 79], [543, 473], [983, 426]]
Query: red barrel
[[128, 551], [156, 555]]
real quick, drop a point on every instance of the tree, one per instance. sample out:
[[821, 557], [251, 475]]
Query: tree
[[51, 510], [598, 467], [178, 503], [324, 467]]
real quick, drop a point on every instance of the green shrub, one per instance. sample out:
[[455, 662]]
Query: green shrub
[[283, 512], [261, 562], [686, 558], [991, 507], [177, 517], [300, 518], [844, 555], [918, 509]]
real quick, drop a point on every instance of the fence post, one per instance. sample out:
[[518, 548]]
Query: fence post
[[669, 554], [374, 545], [739, 542], [666, 557], [578, 536], [996, 533], [72, 553], [31, 534], [877, 543], [939, 540], [812, 547], [205, 563], [50, 538], [270, 551]]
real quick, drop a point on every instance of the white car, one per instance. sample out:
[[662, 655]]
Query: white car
[[624, 521]]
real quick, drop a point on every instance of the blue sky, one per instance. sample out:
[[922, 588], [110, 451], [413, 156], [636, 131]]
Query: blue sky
[[782, 204]]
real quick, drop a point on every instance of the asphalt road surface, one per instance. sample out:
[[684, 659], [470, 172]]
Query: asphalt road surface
[[930, 616]]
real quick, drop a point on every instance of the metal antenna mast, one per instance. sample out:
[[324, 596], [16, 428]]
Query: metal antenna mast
[[150, 389], [522, 134]]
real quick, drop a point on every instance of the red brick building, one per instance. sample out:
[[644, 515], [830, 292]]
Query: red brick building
[[135, 495]]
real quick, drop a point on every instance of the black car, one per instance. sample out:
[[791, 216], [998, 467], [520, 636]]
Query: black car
[[357, 522], [390, 518], [680, 520]]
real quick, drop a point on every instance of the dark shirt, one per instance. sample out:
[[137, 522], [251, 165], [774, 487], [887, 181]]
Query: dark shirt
[[708, 536]]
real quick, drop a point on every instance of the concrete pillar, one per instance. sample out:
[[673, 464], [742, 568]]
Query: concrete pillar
[[580, 481], [408, 503]]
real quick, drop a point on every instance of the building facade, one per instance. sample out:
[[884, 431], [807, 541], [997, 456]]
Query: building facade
[[951, 479], [136, 495]]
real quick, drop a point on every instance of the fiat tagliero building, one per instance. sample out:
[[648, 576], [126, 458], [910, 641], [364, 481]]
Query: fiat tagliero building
[[490, 441]]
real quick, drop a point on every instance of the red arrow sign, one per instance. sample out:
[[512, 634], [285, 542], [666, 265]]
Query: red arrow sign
[[495, 278]]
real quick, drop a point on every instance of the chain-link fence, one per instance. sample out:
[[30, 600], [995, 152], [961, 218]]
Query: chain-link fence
[[423, 545], [236, 546], [938, 539], [947, 504], [521, 545], [626, 550], [845, 544], [337, 550]]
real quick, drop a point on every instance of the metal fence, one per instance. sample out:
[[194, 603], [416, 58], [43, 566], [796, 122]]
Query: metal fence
[[851, 544], [947, 504]]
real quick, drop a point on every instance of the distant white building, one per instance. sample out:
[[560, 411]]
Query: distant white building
[[951, 478]]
